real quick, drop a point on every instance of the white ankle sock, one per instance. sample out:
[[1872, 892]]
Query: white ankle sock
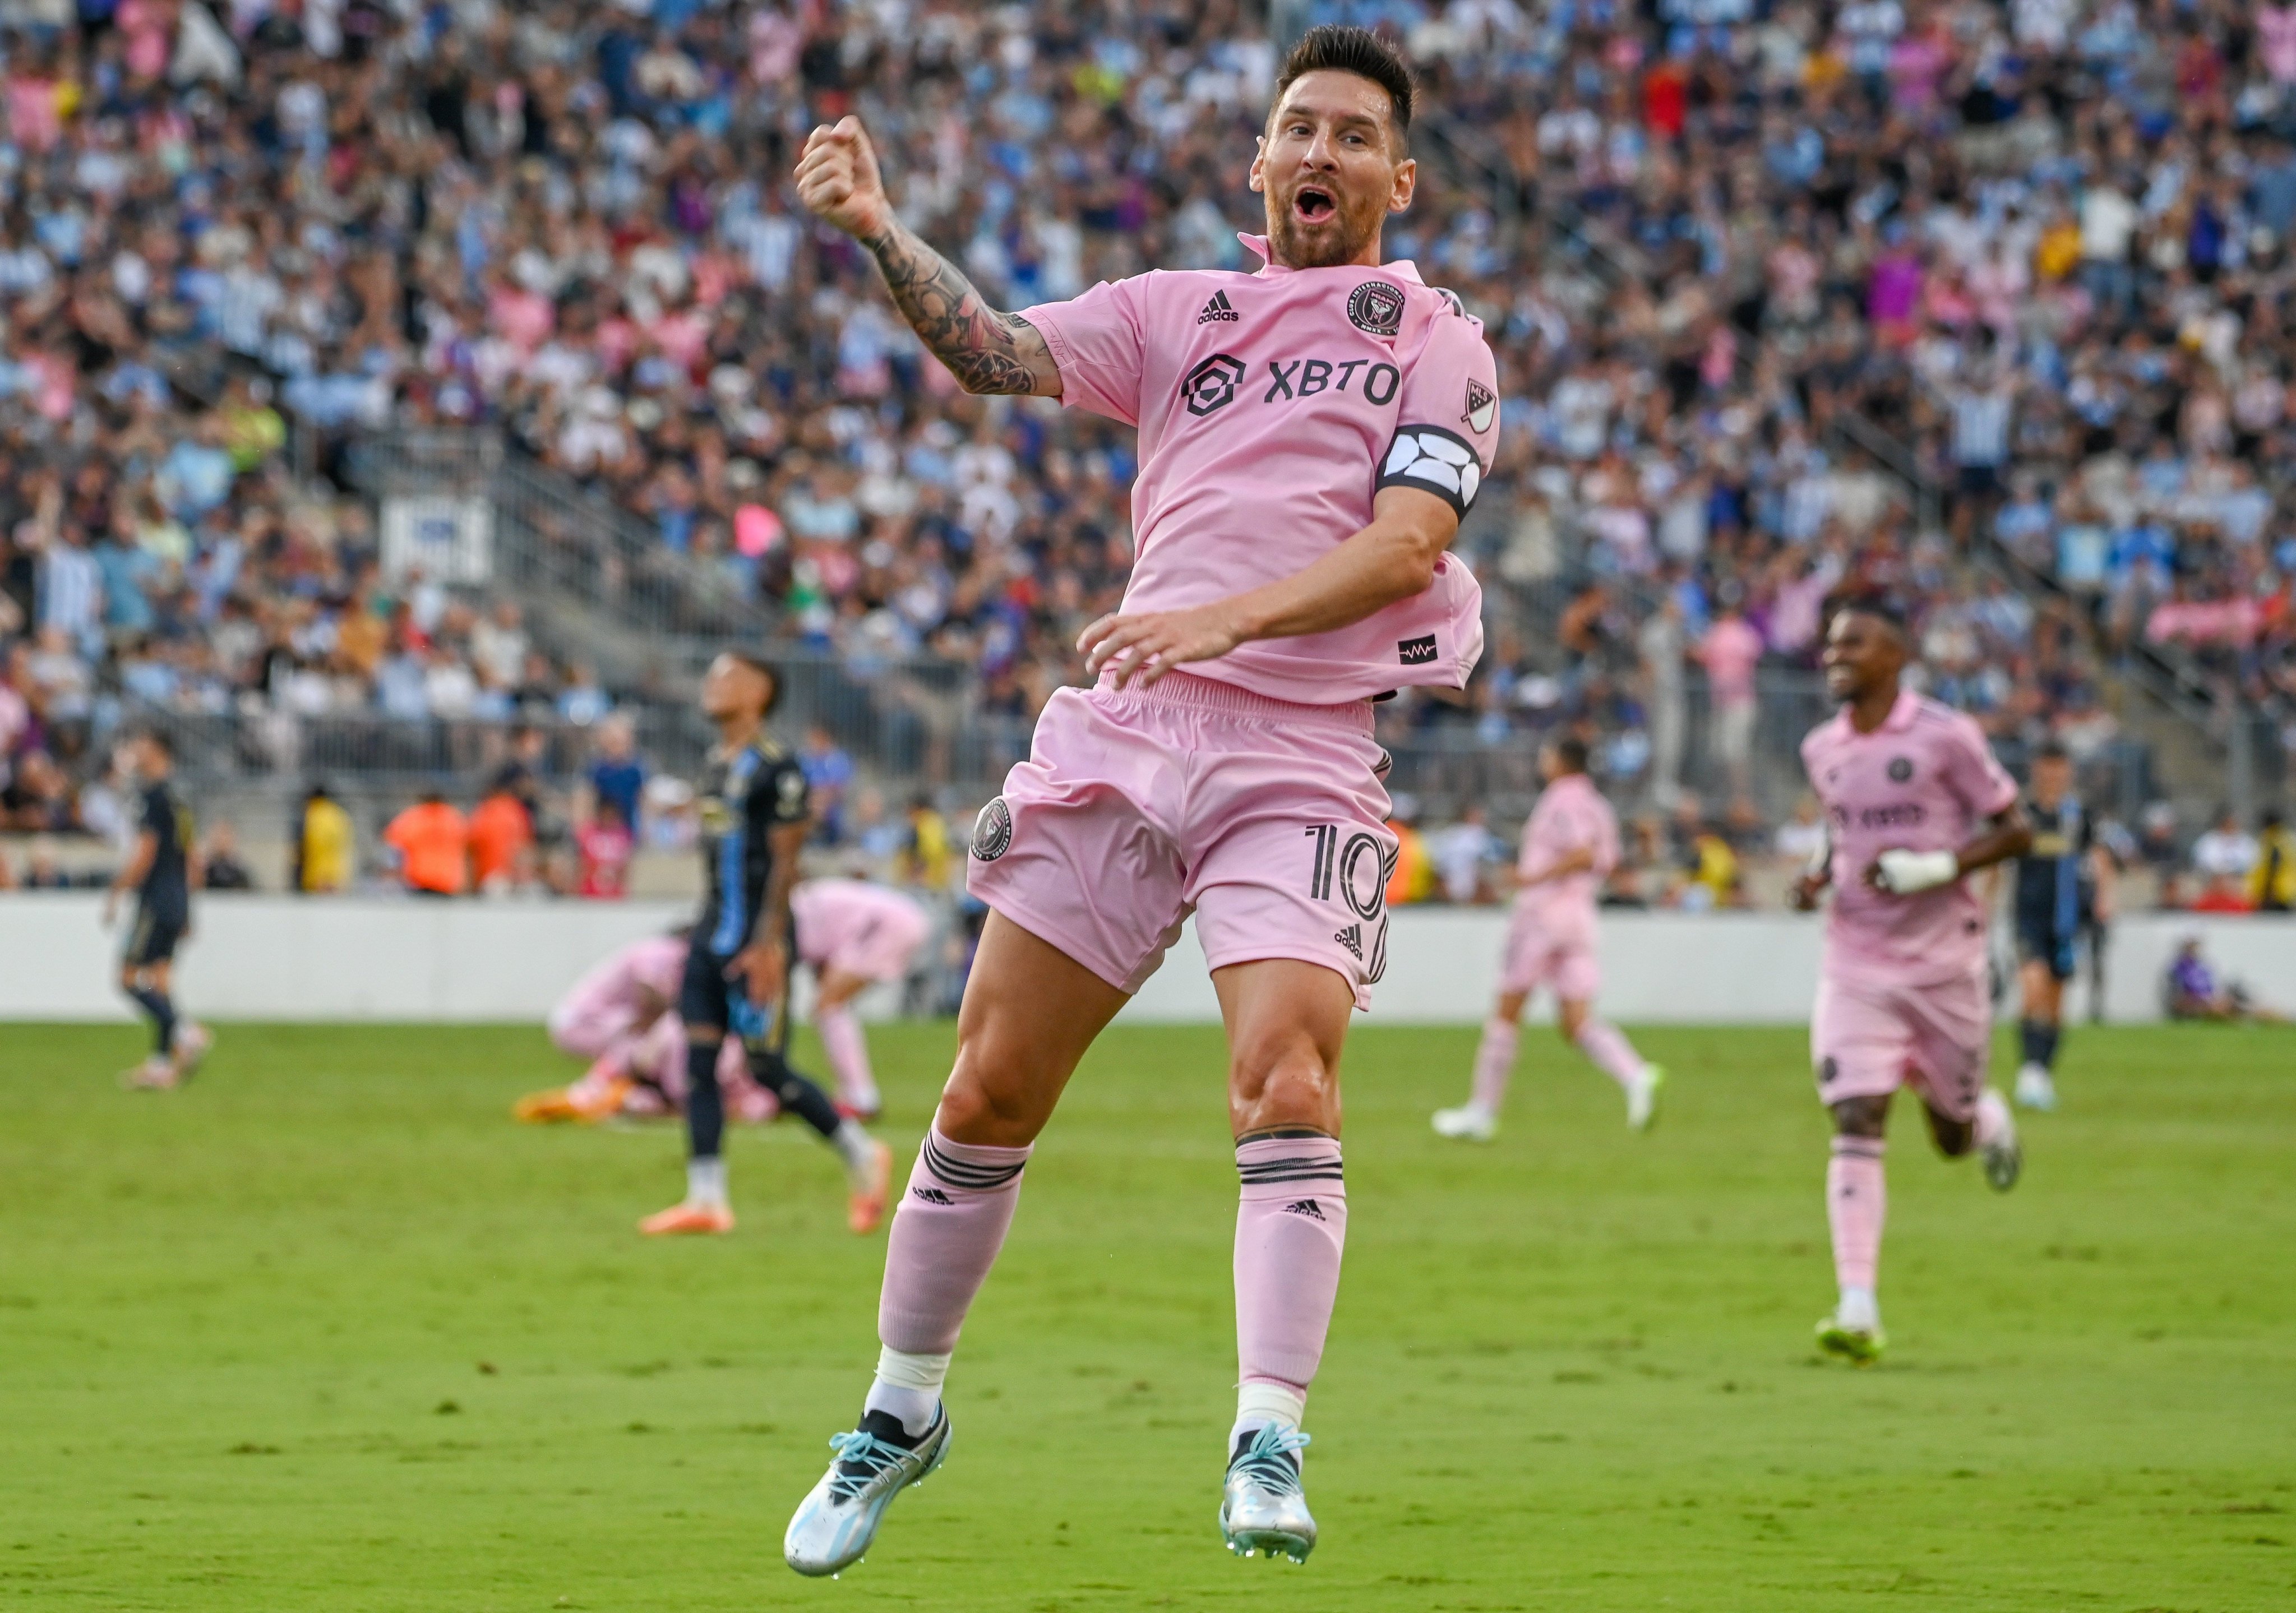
[[855, 1146], [705, 1181], [1261, 1402], [1858, 1309], [907, 1387]]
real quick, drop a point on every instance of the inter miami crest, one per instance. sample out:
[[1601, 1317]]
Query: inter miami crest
[[992, 831], [1481, 404], [1211, 386], [1376, 307]]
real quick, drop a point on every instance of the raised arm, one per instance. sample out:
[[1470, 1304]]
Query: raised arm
[[986, 351]]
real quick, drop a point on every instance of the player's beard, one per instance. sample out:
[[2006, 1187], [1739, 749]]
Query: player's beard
[[1337, 240]]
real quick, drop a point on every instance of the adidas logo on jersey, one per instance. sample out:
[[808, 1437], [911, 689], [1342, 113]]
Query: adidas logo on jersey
[[1304, 1207], [1351, 938], [1218, 310], [930, 1195]]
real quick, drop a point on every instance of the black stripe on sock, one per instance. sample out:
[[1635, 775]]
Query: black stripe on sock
[[959, 1173]]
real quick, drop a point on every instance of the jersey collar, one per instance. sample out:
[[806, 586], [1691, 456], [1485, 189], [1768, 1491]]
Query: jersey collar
[[1900, 718], [1402, 268]]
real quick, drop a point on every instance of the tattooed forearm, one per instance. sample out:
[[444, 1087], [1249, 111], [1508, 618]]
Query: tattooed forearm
[[986, 351]]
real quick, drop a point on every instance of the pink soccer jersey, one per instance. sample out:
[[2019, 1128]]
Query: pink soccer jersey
[[851, 924], [1922, 781], [1272, 406], [606, 998], [1571, 815]]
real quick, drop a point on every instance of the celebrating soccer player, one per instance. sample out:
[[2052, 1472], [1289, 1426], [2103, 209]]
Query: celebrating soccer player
[[161, 869], [2064, 887], [1310, 435], [1569, 844], [752, 807], [852, 935], [1915, 803]]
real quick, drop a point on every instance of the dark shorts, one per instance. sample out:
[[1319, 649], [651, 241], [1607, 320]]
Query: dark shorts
[[2040, 941], [705, 998], [157, 932]]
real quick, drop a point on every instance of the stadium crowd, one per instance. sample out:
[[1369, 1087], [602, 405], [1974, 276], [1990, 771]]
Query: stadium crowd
[[2042, 245]]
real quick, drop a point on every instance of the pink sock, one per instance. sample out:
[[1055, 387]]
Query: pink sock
[[1613, 1054], [946, 1234], [848, 1055], [1856, 1198], [1494, 1062], [1290, 1229]]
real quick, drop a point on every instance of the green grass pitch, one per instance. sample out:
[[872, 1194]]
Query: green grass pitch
[[328, 1331]]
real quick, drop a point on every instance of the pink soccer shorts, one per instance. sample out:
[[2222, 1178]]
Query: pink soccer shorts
[[1137, 806], [1538, 954], [1866, 1040], [882, 951]]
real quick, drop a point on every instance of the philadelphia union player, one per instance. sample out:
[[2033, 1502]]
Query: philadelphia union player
[[1310, 435], [1914, 804]]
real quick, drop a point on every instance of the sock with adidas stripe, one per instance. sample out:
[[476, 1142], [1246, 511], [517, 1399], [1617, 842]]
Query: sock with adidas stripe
[[946, 1232], [1291, 1227]]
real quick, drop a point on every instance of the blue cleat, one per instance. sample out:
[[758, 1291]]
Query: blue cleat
[[837, 1521]]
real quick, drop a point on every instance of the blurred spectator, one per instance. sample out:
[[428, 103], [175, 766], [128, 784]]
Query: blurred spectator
[[42, 870], [2272, 881], [219, 859], [928, 857], [499, 833], [326, 849], [1465, 855], [433, 843], [605, 847], [2194, 990], [1801, 840], [37, 798], [1730, 651], [1413, 879], [616, 775], [2227, 852], [828, 771]]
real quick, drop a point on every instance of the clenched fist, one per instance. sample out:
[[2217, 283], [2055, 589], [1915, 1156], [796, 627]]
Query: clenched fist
[[838, 181]]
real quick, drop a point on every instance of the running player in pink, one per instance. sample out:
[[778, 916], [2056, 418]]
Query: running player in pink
[[1915, 803], [1310, 436], [623, 1017], [1569, 844], [852, 935]]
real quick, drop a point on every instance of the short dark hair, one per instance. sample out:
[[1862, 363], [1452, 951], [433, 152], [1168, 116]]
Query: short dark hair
[[1869, 601], [768, 670], [1570, 750], [158, 737], [2051, 750], [1332, 48]]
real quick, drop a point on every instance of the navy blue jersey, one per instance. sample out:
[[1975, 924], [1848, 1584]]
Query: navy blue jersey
[[744, 797], [2054, 893], [167, 884]]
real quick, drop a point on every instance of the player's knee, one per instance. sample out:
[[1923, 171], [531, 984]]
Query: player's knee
[[1280, 1077], [1861, 1117]]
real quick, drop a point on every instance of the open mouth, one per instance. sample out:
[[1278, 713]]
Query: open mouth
[[1311, 204]]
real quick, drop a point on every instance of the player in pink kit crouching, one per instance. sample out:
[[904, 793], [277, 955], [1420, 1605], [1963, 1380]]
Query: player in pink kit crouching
[[1915, 803], [1309, 437], [1569, 844], [853, 935]]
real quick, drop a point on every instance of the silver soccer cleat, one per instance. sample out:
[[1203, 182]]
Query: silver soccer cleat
[[1263, 1508], [837, 1521], [2003, 1158]]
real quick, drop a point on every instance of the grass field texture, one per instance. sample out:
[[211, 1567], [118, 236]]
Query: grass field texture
[[327, 1330]]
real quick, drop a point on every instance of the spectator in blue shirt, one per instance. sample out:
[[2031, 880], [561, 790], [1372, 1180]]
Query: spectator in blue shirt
[[617, 775]]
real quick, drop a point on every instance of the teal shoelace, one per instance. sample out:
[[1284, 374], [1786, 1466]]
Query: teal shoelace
[[1266, 1460], [861, 1458]]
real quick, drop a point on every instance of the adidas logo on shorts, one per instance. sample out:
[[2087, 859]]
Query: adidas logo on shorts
[[1218, 310], [1351, 938], [1304, 1207]]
